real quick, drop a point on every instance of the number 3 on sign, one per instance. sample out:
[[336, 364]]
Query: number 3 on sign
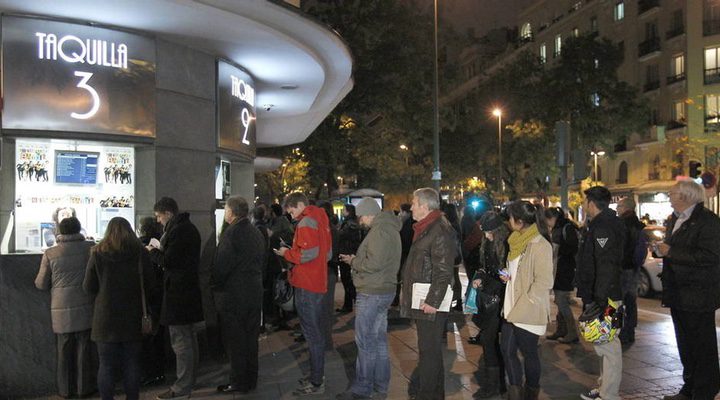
[[83, 84]]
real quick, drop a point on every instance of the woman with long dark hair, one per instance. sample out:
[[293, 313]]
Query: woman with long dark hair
[[113, 277], [526, 308], [564, 237]]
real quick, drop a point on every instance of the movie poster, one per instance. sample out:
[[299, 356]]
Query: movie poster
[[32, 162], [118, 166]]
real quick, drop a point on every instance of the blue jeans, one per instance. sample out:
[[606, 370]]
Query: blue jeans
[[513, 339], [372, 368], [312, 316], [115, 358]]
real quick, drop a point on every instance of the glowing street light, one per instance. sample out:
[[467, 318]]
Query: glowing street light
[[498, 113], [595, 155]]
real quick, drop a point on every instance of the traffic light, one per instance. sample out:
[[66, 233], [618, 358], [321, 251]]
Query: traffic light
[[695, 169]]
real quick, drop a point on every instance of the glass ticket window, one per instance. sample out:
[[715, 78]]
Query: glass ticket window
[[55, 179]]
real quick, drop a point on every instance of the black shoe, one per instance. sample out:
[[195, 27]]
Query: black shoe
[[233, 389], [474, 340], [344, 310], [153, 380]]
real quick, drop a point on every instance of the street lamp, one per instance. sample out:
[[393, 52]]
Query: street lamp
[[498, 113], [436, 115], [405, 150], [595, 155]]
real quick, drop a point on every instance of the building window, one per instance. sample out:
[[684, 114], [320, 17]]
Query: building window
[[558, 45], [652, 77], [526, 32], [622, 173], [619, 13], [711, 17], [575, 32], [543, 53], [678, 115], [677, 24], [712, 109], [594, 24], [712, 65], [677, 67]]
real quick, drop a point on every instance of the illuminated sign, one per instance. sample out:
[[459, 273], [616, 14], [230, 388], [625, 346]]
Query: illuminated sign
[[67, 77], [236, 110]]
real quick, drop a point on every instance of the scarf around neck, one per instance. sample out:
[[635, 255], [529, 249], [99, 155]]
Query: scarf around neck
[[518, 241], [420, 226]]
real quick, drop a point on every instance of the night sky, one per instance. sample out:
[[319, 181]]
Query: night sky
[[481, 15]]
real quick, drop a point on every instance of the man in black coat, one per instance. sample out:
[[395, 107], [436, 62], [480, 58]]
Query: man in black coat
[[691, 278], [179, 256], [633, 258], [236, 281], [598, 278]]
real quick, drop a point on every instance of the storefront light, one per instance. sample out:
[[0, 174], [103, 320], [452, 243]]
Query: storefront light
[[661, 198]]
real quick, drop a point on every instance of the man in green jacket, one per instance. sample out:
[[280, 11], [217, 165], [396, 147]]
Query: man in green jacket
[[374, 272]]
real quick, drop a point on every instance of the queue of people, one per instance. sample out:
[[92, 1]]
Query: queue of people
[[515, 258]]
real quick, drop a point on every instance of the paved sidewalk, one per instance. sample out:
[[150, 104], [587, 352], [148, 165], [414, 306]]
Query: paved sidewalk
[[651, 365]]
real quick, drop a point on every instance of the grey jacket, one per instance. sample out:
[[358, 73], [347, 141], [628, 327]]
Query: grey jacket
[[377, 261], [62, 271]]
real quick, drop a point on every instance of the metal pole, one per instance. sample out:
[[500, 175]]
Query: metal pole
[[436, 115], [595, 170], [501, 187]]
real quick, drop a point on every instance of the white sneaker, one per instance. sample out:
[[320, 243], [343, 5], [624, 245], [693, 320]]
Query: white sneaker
[[593, 394]]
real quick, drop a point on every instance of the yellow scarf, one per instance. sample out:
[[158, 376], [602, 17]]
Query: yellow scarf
[[518, 241]]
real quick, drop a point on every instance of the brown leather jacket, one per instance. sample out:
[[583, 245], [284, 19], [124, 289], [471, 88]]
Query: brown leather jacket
[[430, 261]]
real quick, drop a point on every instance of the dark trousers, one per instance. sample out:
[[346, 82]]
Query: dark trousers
[[153, 354], [457, 287], [428, 379], [490, 340], [240, 332], [122, 358], [514, 339], [348, 286], [75, 366], [311, 312], [329, 306], [697, 345]]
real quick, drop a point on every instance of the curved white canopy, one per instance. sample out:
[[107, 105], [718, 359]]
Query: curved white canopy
[[277, 45]]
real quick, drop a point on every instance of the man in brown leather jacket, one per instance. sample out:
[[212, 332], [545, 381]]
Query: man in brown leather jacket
[[430, 261]]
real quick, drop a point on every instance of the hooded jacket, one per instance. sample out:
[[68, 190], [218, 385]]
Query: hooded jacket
[[377, 261], [311, 250], [62, 270]]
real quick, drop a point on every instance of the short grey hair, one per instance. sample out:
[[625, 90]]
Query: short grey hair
[[690, 191], [238, 205], [429, 197]]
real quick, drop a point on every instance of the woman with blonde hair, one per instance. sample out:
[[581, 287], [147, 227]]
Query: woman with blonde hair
[[529, 278], [114, 277]]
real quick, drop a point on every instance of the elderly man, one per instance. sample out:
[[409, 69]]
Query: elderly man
[[429, 263], [374, 270], [236, 280], [691, 278]]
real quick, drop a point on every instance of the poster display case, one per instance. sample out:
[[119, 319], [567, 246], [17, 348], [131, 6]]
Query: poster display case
[[55, 179]]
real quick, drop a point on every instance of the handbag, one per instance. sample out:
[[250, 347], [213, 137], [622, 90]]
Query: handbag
[[148, 325], [284, 293], [470, 305]]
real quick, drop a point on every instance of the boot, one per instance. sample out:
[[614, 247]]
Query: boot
[[571, 333], [531, 393], [514, 393], [561, 329], [489, 387]]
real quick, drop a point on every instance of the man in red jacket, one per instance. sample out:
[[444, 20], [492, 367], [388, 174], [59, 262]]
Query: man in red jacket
[[311, 250]]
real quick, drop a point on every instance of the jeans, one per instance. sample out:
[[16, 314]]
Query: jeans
[[514, 339], [629, 279], [240, 332], [116, 358], [153, 355], [428, 379], [697, 345], [372, 367], [562, 300], [311, 312], [183, 340], [75, 363]]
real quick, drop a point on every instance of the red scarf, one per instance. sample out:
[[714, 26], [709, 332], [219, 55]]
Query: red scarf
[[420, 226]]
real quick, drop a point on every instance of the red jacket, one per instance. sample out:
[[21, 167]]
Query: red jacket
[[311, 251]]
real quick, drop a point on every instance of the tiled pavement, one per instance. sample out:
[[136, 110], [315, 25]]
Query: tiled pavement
[[651, 365]]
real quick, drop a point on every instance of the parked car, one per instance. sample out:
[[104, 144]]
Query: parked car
[[649, 280]]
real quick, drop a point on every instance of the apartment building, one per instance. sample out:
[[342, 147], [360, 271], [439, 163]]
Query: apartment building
[[672, 55]]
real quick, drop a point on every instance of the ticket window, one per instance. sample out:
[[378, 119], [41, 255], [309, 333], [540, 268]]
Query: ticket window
[[55, 179]]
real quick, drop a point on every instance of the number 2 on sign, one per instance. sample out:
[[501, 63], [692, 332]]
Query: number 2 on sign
[[83, 84], [246, 119]]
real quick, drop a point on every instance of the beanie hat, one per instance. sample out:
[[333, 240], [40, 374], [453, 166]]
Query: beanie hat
[[367, 206], [490, 221]]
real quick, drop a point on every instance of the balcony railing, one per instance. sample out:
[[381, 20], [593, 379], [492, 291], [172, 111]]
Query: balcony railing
[[649, 46], [677, 31], [675, 78], [711, 27], [654, 85], [712, 75], [673, 124], [647, 5]]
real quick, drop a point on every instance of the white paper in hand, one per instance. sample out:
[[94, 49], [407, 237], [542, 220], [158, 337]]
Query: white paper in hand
[[420, 291], [155, 243]]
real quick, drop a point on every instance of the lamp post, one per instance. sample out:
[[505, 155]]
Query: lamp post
[[437, 175], [595, 155], [498, 113], [405, 149]]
